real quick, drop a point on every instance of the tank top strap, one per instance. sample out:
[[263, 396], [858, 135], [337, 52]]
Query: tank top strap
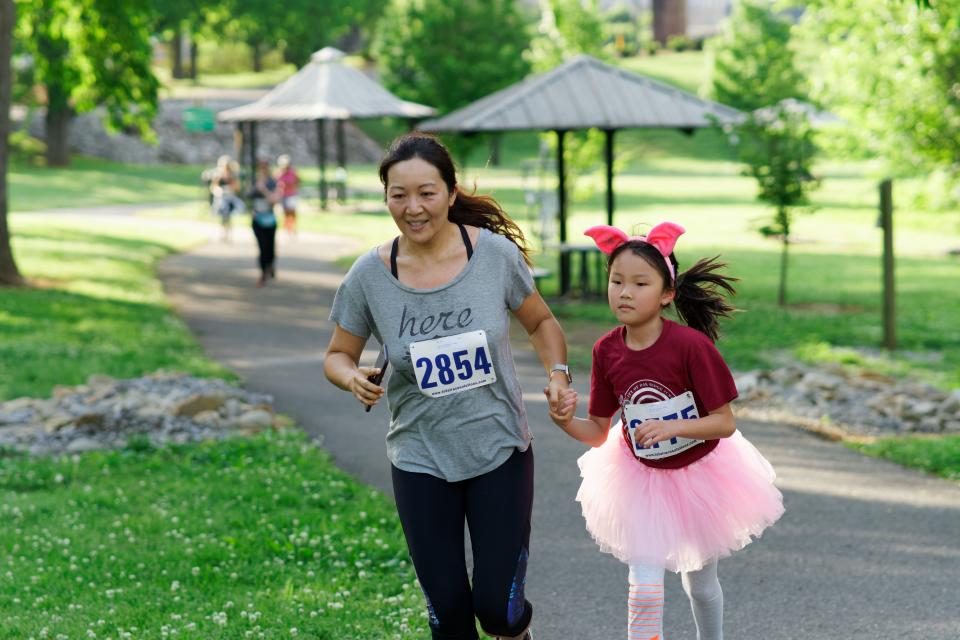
[[395, 249]]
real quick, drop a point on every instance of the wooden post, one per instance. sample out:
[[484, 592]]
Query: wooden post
[[562, 215], [341, 164], [322, 161], [609, 152], [253, 153], [889, 299]]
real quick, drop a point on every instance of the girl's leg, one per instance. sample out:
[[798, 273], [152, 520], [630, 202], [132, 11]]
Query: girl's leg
[[431, 512], [645, 603], [706, 600], [498, 505]]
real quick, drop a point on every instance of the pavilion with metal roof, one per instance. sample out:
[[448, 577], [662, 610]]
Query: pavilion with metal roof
[[584, 93], [325, 89]]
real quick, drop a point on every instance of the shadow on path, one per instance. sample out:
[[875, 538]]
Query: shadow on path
[[867, 550]]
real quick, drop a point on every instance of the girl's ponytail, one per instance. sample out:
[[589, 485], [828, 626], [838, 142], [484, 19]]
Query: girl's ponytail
[[699, 300]]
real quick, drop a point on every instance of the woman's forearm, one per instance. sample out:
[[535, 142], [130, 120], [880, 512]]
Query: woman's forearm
[[340, 369], [549, 343]]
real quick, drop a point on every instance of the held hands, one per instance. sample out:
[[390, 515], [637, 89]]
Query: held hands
[[362, 389], [563, 410], [653, 431]]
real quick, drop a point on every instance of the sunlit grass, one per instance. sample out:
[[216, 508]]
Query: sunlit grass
[[92, 182], [243, 538], [94, 305], [936, 455]]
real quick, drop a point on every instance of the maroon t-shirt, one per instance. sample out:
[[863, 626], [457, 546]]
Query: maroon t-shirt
[[682, 359]]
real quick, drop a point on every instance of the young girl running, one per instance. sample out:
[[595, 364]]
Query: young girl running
[[673, 485]]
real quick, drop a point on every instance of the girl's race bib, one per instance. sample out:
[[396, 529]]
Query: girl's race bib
[[452, 364], [680, 407]]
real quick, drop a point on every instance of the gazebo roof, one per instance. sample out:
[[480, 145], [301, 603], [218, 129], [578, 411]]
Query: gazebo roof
[[816, 117], [585, 93], [326, 89]]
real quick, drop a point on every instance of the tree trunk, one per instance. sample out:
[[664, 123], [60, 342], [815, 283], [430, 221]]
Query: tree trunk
[[257, 56], [193, 58], [495, 141], [9, 274], [176, 53], [58, 130], [782, 294], [669, 19]]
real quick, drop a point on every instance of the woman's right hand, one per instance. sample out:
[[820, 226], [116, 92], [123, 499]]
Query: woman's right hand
[[566, 407], [362, 389]]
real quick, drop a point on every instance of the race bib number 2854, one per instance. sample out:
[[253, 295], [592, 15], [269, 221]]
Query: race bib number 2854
[[452, 364]]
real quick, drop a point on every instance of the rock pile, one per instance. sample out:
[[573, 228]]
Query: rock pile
[[838, 403], [105, 413], [177, 145]]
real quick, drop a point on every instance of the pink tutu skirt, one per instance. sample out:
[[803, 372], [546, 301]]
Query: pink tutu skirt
[[680, 519]]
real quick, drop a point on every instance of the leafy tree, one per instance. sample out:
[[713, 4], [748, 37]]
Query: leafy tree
[[89, 53], [776, 145], [752, 63], [174, 19], [890, 68], [753, 68], [263, 23], [622, 29], [448, 54], [9, 274], [568, 28], [297, 27]]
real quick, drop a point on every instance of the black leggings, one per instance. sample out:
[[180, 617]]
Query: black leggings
[[266, 240], [497, 508]]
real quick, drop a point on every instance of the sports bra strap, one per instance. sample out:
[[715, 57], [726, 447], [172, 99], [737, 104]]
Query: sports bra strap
[[466, 240], [395, 248], [393, 257]]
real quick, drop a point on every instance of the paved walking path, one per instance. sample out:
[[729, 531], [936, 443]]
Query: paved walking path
[[867, 550]]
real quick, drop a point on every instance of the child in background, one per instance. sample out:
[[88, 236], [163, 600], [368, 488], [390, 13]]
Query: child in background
[[673, 485], [289, 186]]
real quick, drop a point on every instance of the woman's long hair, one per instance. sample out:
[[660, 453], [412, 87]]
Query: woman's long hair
[[700, 291], [476, 210]]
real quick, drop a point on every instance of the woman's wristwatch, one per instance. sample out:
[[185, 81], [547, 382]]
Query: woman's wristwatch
[[563, 368]]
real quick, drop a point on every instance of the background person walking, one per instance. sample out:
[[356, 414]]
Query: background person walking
[[439, 297], [225, 188], [674, 485], [289, 188], [264, 195]]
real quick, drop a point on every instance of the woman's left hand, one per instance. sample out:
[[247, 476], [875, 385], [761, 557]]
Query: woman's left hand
[[653, 431]]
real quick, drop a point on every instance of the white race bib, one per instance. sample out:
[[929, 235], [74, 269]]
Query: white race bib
[[452, 364], [680, 407]]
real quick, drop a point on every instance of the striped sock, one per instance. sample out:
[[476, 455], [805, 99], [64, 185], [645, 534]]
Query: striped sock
[[645, 603]]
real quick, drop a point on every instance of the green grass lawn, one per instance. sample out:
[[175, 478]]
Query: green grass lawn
[[96, 306], [258, 537], [937, 455], [834, 273], [245, 538], [92, 182]]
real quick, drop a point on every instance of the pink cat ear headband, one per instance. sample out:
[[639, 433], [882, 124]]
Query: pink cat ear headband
[[663, 236]]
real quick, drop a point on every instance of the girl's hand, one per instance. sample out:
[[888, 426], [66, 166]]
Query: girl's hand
[[364, 390], [653, 431], [566, 407]]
